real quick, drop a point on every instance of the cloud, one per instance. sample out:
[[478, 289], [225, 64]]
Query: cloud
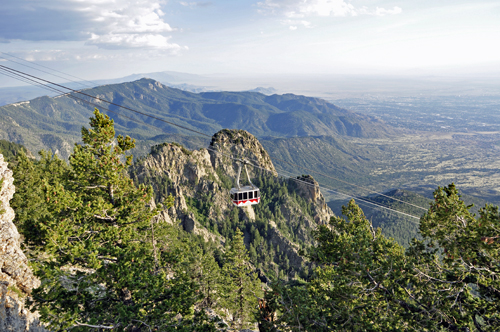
[[103, 23], [325, 8], [293, 24], [383, 11], [196, 4], [127, 40]]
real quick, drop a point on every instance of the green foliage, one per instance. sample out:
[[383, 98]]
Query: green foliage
[[10, 150], [355, 285], [400, 227], [102, 259], [201, 209], [366, 282], [241, 287], [467, 271], [33, 209]]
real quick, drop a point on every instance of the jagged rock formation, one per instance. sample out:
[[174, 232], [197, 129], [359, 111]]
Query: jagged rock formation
[[16, 278], [240, 144], [308, 188], [190, 173], [182, 173], [203, 178]]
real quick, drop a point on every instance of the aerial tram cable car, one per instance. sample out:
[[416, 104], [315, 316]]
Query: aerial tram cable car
[[247, 195]]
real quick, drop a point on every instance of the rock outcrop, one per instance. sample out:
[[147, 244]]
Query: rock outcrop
[[16, 278], [308, 188], [200, 180], [238, 144], [194, 174]]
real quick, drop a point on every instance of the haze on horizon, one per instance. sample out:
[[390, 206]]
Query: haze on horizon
[[99, 39]]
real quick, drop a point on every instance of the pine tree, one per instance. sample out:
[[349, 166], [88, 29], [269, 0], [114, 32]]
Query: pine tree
[[210, 280], [367, 282], [29, 203], [242, 287], [106, 264]]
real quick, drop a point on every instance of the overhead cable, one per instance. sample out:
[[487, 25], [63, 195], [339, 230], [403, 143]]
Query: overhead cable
[[37, 64], [106, 101], [29, 77]]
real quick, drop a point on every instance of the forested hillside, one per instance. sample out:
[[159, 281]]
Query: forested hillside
[[199, 181], [10, 150], [157, 245]]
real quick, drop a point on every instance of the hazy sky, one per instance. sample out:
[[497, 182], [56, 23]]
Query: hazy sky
[[112, 38]]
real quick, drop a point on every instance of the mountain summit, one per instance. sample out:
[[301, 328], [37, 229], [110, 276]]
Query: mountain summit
[[199, 181], [55, 123]]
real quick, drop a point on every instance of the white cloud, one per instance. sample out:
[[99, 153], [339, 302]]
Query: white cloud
[[325, 8], [103, 23], [293, 24], [196, 4], [128, 24], [127, 40], [383, 11]]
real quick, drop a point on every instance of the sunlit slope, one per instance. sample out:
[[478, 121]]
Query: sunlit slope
[[55, 123], [332, 156]]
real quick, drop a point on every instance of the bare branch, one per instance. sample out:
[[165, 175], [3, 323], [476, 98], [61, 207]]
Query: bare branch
[[140, 321], [98, 326], [107, 218]]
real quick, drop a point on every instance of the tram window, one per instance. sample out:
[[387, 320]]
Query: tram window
[[240, 197], [245, 196], [233, 197], [256, 194], [250, 195]]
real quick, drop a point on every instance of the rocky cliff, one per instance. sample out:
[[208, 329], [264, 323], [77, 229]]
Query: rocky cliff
[[200, 180], [16, 278]]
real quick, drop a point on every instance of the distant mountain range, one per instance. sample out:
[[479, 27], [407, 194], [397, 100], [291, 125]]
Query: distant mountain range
[[182, 81], [55, 123]]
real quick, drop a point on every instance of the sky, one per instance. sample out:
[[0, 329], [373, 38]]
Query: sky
[[97, 39]]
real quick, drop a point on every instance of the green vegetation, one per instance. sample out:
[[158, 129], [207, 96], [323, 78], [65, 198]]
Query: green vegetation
[[367, 282], [156, 148], [106, 261], [10, 150], [242, 287], [103, 260]]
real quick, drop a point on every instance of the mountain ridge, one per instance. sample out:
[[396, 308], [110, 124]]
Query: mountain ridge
[[55, 123]]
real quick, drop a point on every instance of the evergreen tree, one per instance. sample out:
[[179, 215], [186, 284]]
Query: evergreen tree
[[29, 203], [106, 264], [459, 263], [366, 282], [210, 280], [242, 287]]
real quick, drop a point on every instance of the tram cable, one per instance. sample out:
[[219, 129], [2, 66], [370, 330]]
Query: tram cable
[[318, 186], [352, 184], [292, 164], [105, 101], [43, 71], [20, 75], [357, 198], [69, 95], [92, 84]]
